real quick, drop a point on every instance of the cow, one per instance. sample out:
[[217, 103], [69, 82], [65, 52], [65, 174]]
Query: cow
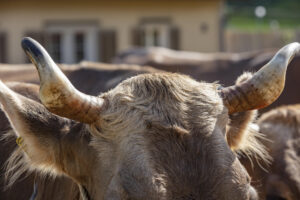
[[281, 179], [153, 136], [223, 67]]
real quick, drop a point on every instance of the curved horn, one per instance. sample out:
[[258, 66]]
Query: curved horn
[[264, 87], [56, 92]]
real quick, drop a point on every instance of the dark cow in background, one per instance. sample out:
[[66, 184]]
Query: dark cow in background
[[280, 180], [88, 77], [91, 78], [223, 67], [176, 113]]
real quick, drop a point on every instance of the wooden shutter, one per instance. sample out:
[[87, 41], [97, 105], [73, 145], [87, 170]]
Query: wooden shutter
[[3, 48], [174, 38], [297, 35], [108, 45], [138, 37], [39, 36]]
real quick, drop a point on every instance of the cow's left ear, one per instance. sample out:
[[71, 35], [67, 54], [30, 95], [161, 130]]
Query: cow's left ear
[[40, 133]]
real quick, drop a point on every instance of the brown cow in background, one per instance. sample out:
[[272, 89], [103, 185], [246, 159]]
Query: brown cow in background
[[280, 180]]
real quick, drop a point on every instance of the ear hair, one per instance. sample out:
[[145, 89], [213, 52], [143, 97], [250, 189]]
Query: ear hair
[[238, 128], [34, 125]]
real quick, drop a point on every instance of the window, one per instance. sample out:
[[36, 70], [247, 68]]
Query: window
[[71, 42], [79, 46], [3, 47], [156, 32], [156, 35]]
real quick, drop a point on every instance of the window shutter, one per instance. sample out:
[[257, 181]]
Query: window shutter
[[174, 38], [3, 48], [39, 36], [138, 37], [108, 45]]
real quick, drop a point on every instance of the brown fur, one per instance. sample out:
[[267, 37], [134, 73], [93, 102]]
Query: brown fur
[[143, 97]]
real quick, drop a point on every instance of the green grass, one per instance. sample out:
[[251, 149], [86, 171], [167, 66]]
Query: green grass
[[240, 14], [252, 24]]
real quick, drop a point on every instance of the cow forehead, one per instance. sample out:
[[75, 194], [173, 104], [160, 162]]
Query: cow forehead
[[167, 88], [161, 100], [152, 117], [170, 99]]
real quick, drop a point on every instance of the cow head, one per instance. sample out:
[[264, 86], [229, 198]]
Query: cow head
[[154, 136]]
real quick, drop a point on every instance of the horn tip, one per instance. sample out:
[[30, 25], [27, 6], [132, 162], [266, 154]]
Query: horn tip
[[294, 47], [26, 42], [295, 44], [32, 48]]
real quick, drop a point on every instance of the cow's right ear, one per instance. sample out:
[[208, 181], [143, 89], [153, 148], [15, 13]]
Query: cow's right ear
[[242, 135]]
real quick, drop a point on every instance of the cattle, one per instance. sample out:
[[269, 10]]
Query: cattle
[[223, 67], [153, 136], [281, 179]]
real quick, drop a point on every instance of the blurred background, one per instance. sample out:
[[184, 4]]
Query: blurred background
[[97, 30]]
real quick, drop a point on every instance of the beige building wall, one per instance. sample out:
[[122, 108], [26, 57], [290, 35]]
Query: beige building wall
[[191, 16]]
